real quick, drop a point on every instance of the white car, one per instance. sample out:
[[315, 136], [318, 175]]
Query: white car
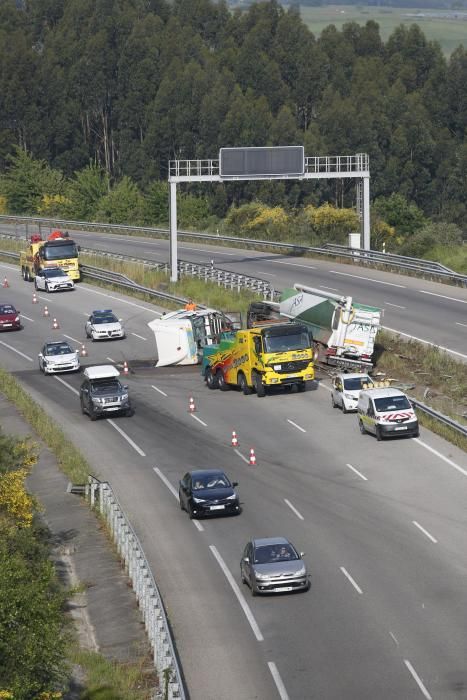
[[346, 389], [58, 356], [104, 325], [53, 279]]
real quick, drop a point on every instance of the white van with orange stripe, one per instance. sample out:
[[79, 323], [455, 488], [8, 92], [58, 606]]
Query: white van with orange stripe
[[386, 412]]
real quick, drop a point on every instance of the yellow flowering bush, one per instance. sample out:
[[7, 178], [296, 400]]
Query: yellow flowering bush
[[52, 204], [3, 210], [331, 223], [14, 498], [267, 216]]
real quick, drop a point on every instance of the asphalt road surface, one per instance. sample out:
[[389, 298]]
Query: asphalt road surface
[[383, 525]]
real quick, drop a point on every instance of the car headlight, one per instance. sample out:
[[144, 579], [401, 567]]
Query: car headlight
[[124, 397], [199, 500], [232, 497], [261, 577], [17, 319], [301, 572], [349, 396], [98, 401]]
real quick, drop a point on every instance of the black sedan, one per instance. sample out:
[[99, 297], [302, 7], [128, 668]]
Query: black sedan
[[205, 492]]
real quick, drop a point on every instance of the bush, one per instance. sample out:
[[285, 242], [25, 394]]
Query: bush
[[431, 235]]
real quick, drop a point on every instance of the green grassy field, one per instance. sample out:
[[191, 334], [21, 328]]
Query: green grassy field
[[450, 33]]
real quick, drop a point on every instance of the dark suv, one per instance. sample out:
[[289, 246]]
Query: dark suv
[[102, 394]]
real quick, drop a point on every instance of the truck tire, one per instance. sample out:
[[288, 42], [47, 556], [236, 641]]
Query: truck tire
[[259, 386], [302, 386], [243, 384], [223, 386], [211, 379], [379, 436], [362, 427]]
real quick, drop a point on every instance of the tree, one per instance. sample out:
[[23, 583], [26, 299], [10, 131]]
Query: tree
[[85, 192], [434, 234], [405, 216], [122, 205], [27, 180]]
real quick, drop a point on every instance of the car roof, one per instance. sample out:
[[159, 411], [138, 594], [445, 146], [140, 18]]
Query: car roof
[[263, 541], [57, 342], [101, 372], [98, 312], [205, 472], [382, 392], [353, 375]]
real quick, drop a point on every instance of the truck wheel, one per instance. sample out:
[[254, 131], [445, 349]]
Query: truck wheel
[[211, 379], [22, 273], [243, 384], [362, 427], [259, 386], [223, 386], [379, 437]]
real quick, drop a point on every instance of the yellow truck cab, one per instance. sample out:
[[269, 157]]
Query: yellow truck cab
[[258, 358], [57, 251]]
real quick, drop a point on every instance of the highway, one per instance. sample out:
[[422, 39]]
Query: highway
[[383, 525], [421, 309]]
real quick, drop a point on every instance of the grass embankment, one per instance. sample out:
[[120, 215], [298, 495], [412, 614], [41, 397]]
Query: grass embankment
[[105, 680]]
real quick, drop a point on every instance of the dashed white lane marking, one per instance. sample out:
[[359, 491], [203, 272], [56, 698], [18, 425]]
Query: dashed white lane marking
[[174, 493], [417, 679], [237, 452], [159, 390], [123, 301], [427, 342], [110, 360], [68, 386], [139, 336], [282, 262], [443, 296], [292, 507], [278, 681], [239, 595], [357, 472], [332, 289], [396, 306], [425, 532], [201, 250], [295, 425], [368, 279], [27, 318], [18, 352], [461, 324], [126, 437], [70, 337], [394, 639], [349, 577], [438, 454], [199, 420]]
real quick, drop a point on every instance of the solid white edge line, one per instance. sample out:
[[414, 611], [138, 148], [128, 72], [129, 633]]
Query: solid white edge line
[[442, 296], [461, 324], [123, 301], [417, 679], [18, 352], [70, 337], [139, 336], [174, 493], [425, 532], [281, 262], [357, 472], [427, 342], [199, 420], [278, 681], [349, 577], [295, 425], [126, 437], [239, 595], [438, 454], [159, 390], [110, 360], [68, 386], [241, 456], [292, 507], [396, 306], [369, 279]]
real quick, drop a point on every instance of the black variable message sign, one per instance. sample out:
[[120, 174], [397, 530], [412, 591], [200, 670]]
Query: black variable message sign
[[278, 161]]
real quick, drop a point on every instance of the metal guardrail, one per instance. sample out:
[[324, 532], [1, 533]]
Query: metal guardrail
[[366, 257], [440, 417], [99, 494]]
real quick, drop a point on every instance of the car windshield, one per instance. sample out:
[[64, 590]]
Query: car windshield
[[7, 309], [217, 481], [392, 403], [103, 386], [268, 554], [108, 318], [56, 272], [60, 252], [356, 383], [283, 343], [62, 349]]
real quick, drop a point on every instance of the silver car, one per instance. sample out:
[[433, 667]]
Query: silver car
[[273, 565], [58, 356]]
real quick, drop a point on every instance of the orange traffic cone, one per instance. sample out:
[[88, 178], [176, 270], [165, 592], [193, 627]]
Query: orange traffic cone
[[5, 283], [234, 439], [252, 457], [34, 298], [83, 352], [191, 405], [46, 311], [55, 324], [125, 367]]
